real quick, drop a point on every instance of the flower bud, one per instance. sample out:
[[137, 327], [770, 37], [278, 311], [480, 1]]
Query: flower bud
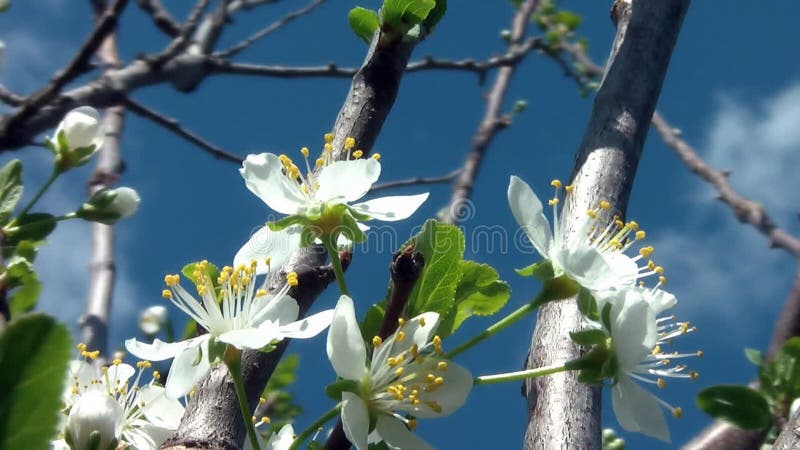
[[78, 136], [95, 412], [110, 205], [152, 319]]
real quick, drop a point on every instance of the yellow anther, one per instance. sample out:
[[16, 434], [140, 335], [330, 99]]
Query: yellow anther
[[421, 321], [656, 350], [569, 188], [659, 270], [320, 162], [400, 336], [261, 293], [391, 361], [640, 235], [646, 251], [442, 365], [651, 265], [618, 223], [591, 214], [376, 156], [304, 151], [438, 381], [694, 375], [358, 154], [254, 419], [283, 158], [398, 371], [633, 225], [376, 341], [166, 293], [401, 321], [327, 147], [556, 184], [700, 353], [81, 347], [661, 383], [412, 424], [662, 280], [605, 205], [677, 412], [172, 280], [265, 420], [143, 364], [414, 351], [328, 138], [117, 362], [552, 202], [430, 378], [291, 279], [156, 375], [93, 355], [349, 143]]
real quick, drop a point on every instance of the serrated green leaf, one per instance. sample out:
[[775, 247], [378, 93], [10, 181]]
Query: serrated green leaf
[[34, 352], [480, 292], [442, 247], [10, 189], [31, 227], [363, 22], [739, 405], [402, 15], [25, 288]]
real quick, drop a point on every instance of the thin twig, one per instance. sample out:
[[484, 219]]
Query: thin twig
[[10, 98], [175, 126], [161, 17], [266, 31], [184, 37], [493, 120], [106, 24], [416, 181]]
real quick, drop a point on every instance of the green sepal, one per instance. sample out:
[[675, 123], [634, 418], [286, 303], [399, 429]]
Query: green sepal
[[350, 229], [364, 22], [605, 316], [587, 305], [286, 222], [216, 352], [94, 441], [542, 270], [594, 359], [754, 356], [308, 236], [335, 389], [31, 227], [588, 337], [591, 377]]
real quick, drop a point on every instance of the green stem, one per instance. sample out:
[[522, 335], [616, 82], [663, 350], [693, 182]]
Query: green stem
[[501, 324], [330, 414], [233, 359], [521, 375], [330, 246], [38, 195]]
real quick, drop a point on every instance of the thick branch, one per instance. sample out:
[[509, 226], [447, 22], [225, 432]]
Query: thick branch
[[175, 126], [493, 120], [212, 418], [269, 29], [560, 408]]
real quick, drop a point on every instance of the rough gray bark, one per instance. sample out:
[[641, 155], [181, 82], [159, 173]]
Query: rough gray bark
[[560, 409], [789, 439], [212, 418]]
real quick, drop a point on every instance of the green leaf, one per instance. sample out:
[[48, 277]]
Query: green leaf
[[434, 16], [739, 405], [372, 321], [280, 405], [10, 189], [754, 356], [568, 19], [363, 22], [212, 272], [402, 15], [32, 227], [284, 374], [34, 353], [480, 292], [25, 286], [588, 337], [442, 247]]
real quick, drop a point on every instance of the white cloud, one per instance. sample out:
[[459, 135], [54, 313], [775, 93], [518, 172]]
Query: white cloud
[[31, 58], [719, 266]]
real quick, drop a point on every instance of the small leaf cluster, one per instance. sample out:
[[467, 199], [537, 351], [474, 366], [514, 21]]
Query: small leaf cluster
[[398, 19]]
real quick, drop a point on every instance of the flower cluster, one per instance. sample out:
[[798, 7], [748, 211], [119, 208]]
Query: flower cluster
[[597, 256], [235, 310], [112, 408], [406, 378]]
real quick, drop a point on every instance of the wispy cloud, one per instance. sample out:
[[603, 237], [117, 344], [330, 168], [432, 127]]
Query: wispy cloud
[[30, 57], [722, 267]]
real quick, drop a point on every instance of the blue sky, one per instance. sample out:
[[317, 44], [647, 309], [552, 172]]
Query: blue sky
[[733, 88]]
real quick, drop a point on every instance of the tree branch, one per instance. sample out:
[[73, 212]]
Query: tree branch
[[161, 17], [561, 409], [269, 29], [212, 418], [493, 120], [416, 181], [10, 98], [175, 126]]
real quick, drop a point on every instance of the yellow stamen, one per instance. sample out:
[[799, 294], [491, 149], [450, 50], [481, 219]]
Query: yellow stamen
[[166, 293], [376, 156], [358, 154], [376, 341], [349, 143], [305, 151], [328, 137], [605, 205], [677, 412], [556, 184]]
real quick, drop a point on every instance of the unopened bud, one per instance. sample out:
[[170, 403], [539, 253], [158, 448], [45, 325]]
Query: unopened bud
[[78, 136], [110, 205], [94, 421], [152, 319]]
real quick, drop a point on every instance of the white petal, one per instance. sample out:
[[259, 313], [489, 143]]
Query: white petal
[[276, 310], [187, 369], [355, 420], [415, 334], [529, 213], [158, 350], [263, 175], [633, 328], [281, 440], [661, 301], [623, 267], [347, 180], [309, 326], [396, 434], [252, 338], [587, 266], [637, 410], [119, 374], [345, 346], [451, 395], [278, 245], [393, 208], [160, 410]]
